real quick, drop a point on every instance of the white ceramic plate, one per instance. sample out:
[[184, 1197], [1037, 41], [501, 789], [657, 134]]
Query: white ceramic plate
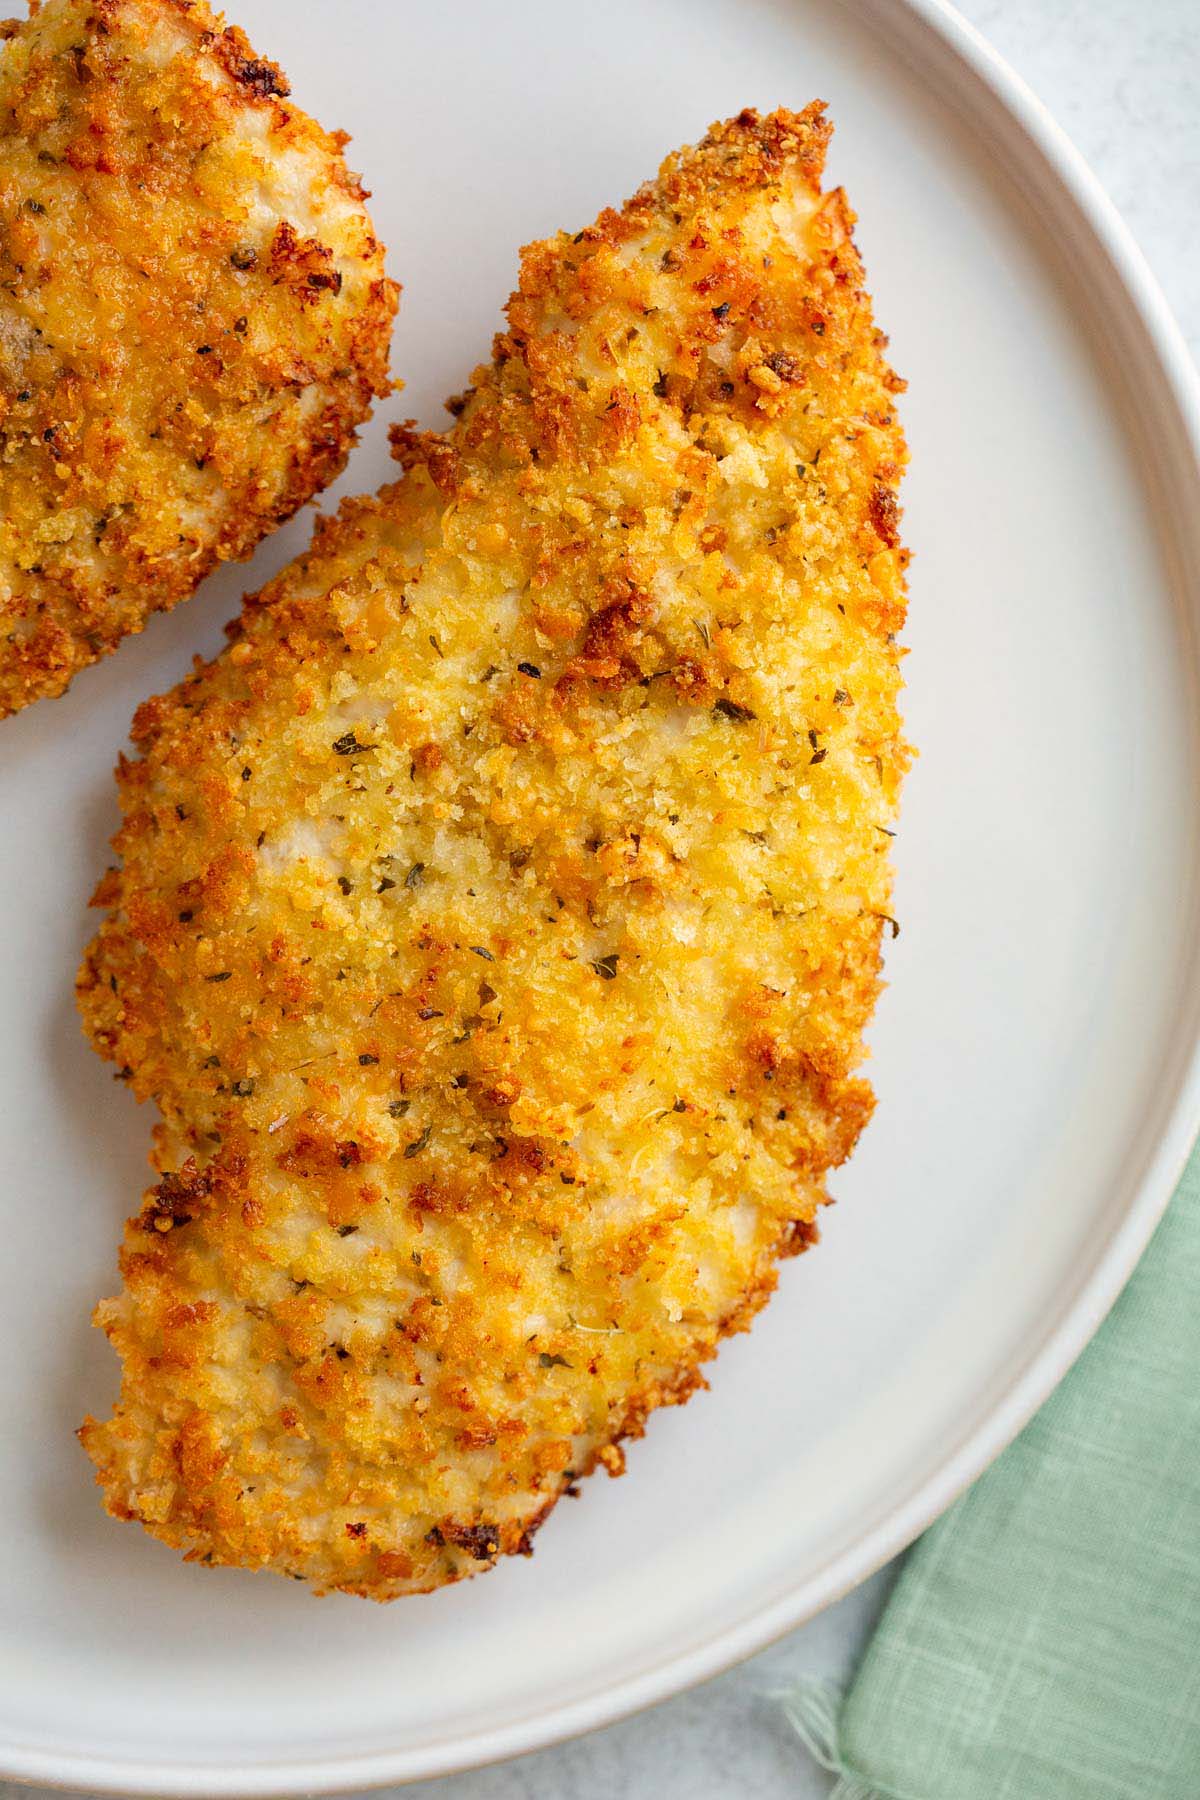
[[1034, 1057]]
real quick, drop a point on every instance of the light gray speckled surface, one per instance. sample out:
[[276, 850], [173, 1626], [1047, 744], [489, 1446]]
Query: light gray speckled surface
[[1123, 78]]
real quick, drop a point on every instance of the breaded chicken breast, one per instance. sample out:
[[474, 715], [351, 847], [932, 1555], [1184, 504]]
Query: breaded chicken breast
[[193, 319], [497, 919]]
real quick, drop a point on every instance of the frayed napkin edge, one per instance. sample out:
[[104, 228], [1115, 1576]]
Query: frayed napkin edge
[[812, 1708]]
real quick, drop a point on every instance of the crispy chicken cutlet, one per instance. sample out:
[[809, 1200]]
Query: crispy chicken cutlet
[[194, 318], [497, 919]]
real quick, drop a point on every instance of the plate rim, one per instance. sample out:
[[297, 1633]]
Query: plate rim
[[937, 22]]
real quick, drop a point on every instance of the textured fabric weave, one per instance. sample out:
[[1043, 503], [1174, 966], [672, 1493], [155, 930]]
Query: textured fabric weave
[[1043, 1639]]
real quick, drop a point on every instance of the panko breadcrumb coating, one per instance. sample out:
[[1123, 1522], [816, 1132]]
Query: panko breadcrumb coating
[[499, 916], [193, 319]]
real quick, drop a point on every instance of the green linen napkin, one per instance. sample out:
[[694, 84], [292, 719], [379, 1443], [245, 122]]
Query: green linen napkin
[[1043, 1638]]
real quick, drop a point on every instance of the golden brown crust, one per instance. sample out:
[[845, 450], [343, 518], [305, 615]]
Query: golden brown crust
[[194, 318], [498, 918]]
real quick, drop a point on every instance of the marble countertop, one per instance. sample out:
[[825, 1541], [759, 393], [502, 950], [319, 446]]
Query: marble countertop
[[1123, 78]]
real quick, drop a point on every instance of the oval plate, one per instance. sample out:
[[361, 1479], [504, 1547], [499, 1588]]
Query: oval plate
[[1035, 1056]]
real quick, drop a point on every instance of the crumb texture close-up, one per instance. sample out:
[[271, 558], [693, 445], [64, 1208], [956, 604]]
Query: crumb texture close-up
[[194, 318], [496, 921]]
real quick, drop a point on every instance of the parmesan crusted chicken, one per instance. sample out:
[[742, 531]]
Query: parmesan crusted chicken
[[498, 918], [193, 319]]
